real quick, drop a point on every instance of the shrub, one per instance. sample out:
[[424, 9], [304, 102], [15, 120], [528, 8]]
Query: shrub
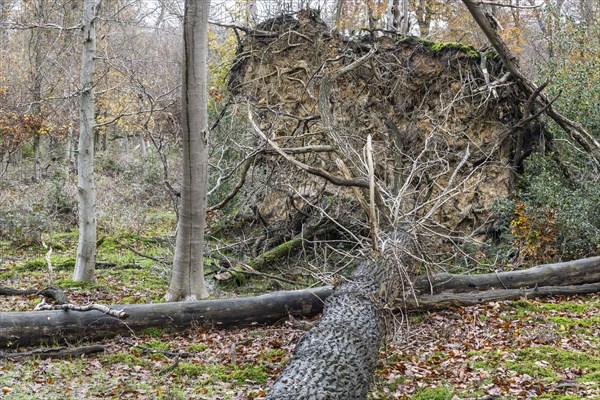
[[23, 226]]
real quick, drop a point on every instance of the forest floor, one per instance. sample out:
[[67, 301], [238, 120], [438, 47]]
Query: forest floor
[[529, 349]]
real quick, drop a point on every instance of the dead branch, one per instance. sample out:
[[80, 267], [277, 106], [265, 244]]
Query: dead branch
[[587, 141], [52, 292], [241, 267], [56, 352], [97, 307], [372, 215], [150, 350], [243, 173], [134, 251], [303, 150], [336, 180], [7, 291]]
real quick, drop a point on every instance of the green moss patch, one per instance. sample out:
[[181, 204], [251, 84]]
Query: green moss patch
[[211, 373]]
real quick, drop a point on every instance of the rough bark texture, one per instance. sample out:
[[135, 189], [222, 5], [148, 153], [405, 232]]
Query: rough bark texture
[[336, 358], [86, 247], [187, 281]]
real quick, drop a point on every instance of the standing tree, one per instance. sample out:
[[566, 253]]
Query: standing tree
[[187, 281], [86, 248], [37, 41]]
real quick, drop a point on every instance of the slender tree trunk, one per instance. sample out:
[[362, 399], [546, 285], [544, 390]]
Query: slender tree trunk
[[393, 14], [5, 162], [37, 169], [143, 146], [187, 281], [86, 248], [423, 13], [69, 153], [38, 42], [405, 18]]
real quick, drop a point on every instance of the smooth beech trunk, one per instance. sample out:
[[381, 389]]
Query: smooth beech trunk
[[86, 247], [187, 280]]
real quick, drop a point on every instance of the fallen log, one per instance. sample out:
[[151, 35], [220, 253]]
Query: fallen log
[[24, 328], [448, 300], [576, 272], [52, 292], [27, 328]]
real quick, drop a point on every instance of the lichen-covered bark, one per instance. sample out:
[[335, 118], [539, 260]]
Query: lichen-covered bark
[[336, 358]]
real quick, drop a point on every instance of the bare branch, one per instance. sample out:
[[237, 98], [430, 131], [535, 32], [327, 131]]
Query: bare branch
[[98, 307], [244, 171], [580, 134], [520, 7], [336, 180], [22, 26]]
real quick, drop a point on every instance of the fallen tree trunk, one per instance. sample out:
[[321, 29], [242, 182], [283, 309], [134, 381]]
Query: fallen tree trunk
[[23, 328], [577, 272], [448, 300], [336, 358]]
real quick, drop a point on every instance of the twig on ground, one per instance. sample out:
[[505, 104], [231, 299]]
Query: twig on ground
[[134, 251], [58, 352]]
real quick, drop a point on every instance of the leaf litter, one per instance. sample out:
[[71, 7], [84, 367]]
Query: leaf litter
[[528, 349]]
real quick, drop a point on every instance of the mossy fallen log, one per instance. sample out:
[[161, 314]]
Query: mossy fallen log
[[286, 248]]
